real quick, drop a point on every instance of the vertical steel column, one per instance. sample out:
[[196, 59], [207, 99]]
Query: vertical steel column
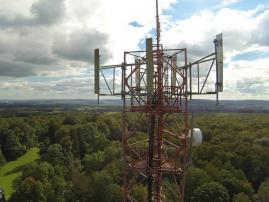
[[186, 130], [150, 168], [125, 188], [198, 75]]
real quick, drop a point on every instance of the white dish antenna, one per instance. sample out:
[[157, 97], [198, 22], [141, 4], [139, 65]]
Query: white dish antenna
[[195, 136]]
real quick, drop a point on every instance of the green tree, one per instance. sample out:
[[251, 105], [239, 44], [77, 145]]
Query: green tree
[[241, 197], [231, 183], [53, 127], [16, 137], [195, 177], [29, 189], [113, 122], [2, 158], [41, 131], [70, 120], [263, 192], [140, 193], [54, 154], [42, 182], [87, 139], [13, 148], [104, 189], [39, 171], [63, 136], [210, 192], [60, 189], [103, 128], [112, 151], [94, 162], [25, 133]]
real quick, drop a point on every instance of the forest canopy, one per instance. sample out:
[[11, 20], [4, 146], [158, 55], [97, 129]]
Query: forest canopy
[[81, 159]]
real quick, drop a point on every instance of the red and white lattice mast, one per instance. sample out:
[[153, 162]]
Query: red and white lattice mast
[[156, 84]]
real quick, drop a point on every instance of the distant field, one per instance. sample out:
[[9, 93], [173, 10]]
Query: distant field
[[13, 169]]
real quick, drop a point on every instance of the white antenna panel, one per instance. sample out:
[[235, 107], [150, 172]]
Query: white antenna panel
[[219, 57], [137, 73]]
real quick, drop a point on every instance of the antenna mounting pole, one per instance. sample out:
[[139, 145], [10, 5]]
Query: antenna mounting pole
[[158, 26]]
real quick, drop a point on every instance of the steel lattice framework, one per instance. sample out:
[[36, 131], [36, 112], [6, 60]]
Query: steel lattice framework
[[155, 87], [163, 152]]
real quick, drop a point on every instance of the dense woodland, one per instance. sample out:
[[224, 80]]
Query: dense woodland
[[80, 157]]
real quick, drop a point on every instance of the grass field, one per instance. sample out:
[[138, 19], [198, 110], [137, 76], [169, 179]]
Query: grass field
[[13, 169]]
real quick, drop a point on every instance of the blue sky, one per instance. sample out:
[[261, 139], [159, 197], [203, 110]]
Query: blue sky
[[251, 55], [46, 46], [185, 8]]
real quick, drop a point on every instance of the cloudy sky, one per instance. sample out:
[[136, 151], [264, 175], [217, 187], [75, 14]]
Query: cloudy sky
[[46, 46]]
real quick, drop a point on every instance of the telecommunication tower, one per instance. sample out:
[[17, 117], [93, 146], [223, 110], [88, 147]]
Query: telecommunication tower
[[156, 84]]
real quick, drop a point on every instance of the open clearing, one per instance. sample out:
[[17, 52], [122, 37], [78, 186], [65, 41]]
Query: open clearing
[[13, 169]]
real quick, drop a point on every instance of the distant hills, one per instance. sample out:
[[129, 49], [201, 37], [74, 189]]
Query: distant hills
[[229, 106], [260, 106]]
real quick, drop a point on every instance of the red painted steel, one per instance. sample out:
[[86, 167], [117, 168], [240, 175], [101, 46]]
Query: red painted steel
[[162, 153], [154, 142]]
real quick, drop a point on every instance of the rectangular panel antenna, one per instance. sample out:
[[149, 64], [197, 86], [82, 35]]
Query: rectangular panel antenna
[[150, 66], [137, 74], [174, 73], [219, 63], [96, 71]]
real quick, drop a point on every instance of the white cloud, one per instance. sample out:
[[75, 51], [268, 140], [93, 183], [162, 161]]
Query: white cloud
[[199, 30], [63, 47], [76, 87], [113, 18], [227, 2], [44, 35], [247, 79], [243, 31]]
